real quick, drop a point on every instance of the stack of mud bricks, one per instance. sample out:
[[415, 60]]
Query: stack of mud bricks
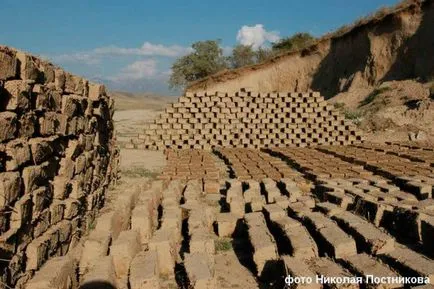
[[192, 165], [247, 120], [56, 161]]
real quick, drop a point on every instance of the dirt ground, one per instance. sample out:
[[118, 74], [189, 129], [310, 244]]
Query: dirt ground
[[130, 115]]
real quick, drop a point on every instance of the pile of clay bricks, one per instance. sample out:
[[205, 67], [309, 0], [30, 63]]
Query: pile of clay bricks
[[56, 161], [191, 165], [253, 164], [247, 120], [414, 177], [413, 153], [317, 165]]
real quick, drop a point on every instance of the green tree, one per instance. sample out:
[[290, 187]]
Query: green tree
[[263, 54], [295, 42], [206, 59], [242, 55]]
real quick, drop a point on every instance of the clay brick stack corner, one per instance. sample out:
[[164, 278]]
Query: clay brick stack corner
[[56, 160], [247, 120]]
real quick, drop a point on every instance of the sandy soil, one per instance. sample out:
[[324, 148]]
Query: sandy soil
[[132, 111], [129, 122]]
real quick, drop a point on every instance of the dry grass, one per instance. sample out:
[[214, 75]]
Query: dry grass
[[140, 173]]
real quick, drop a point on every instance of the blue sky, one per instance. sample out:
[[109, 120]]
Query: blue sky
[[130, 45]]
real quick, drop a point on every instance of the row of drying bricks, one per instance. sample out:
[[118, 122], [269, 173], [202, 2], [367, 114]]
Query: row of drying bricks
[[336, 233], [128, 262], [134, 247]]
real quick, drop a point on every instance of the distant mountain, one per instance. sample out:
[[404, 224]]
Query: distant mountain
[[157, 86], [136, 101]]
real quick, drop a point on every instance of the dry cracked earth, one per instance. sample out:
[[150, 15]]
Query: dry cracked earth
[[244, 218]]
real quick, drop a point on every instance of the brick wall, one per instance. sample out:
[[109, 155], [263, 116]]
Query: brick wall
[[56, 161], [247, 119]]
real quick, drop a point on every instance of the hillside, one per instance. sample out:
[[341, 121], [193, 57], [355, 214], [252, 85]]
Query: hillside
[[393, 45], [134, 101]]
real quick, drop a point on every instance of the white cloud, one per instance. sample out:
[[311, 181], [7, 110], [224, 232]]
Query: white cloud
[[80, 57], [142, 69], [94, 56], [147, 49], [256, 36]]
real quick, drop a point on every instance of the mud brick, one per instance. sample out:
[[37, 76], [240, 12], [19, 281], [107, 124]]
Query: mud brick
[[64, 229], [420, 190], [338, 198], [263, 243], [34, 176], [226, 223], [52, 236], [164, 243], [274, 212], [37, 253], [411, 261], [50, 124], [302, 244], [142, 222], [18, 154], [8, 125], [237, 206], [72, 208], [58, 272], [10, 186], [28, 67], [102, 271], [8, 64], [298, 268], [59, 79], [74, 84], [17, 95], [96, 91], [41, 197], [41, 222], [144, 273], [373, 211], [123, 250], [42, 149], [271, 190], [427, 233], [22, 213], [329, 268], [202, 242], [335, 241], [211, 186], [368, 237], [365, 265], [329, 209], [235, 191], [199, 271], [308, 201], [61, 187], [57, 209]]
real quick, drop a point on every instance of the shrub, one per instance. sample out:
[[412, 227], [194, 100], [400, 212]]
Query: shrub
[[339, 105], [352, 115], [296, 42], [223, 245], [371, 97]]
